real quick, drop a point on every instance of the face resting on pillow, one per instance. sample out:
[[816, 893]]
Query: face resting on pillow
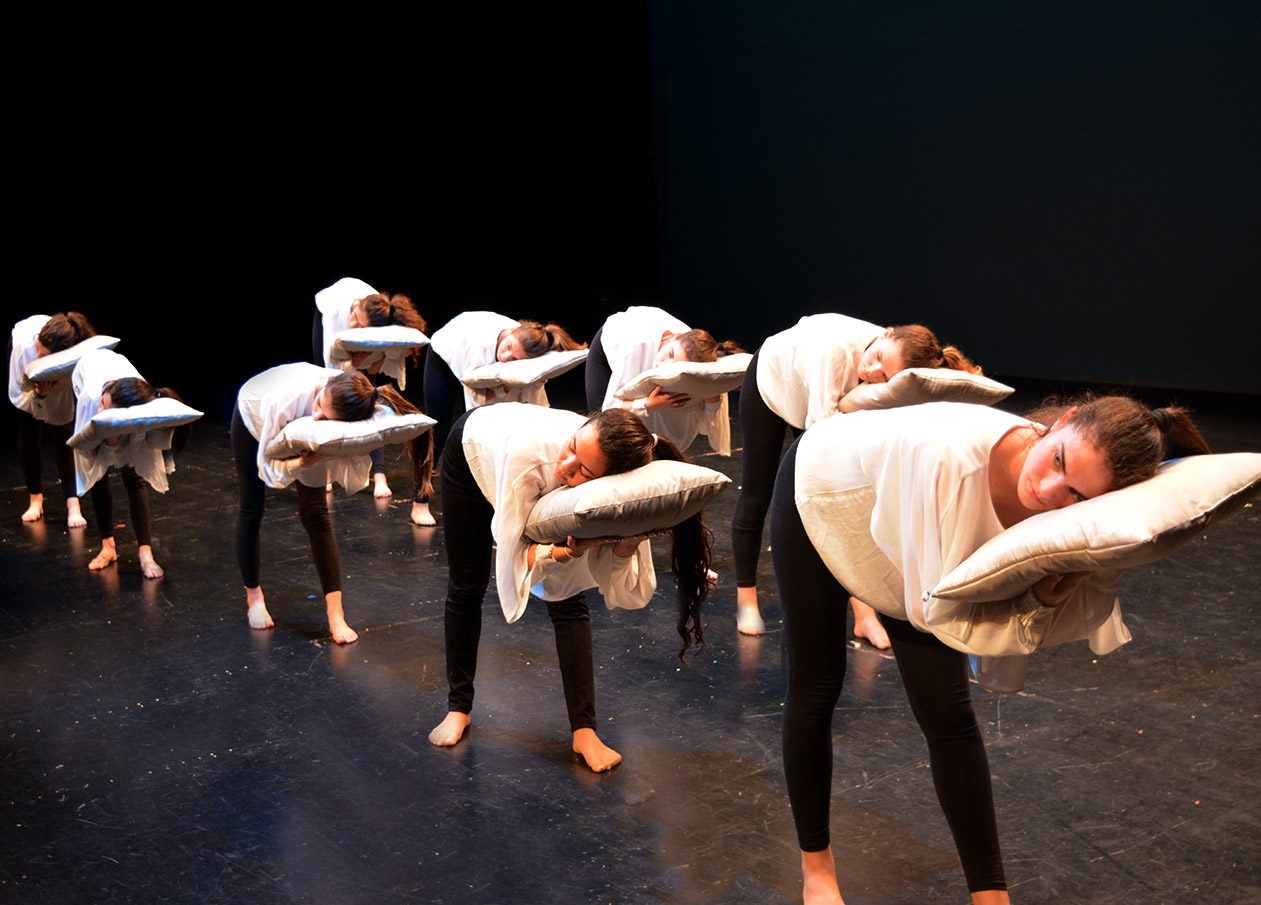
[[581, 460]]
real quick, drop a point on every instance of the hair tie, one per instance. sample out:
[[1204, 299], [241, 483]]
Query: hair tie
[[1164, 420], [655, 439]]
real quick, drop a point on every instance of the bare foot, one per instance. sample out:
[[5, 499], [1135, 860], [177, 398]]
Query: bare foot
[[380, 487], [36, 510], [74, 514], [748, 617], [818, 874], [258, 616], [599, 756], [148, 565], [867, 625], [107, 555], [421, 516], [450, 730], [342, 633]]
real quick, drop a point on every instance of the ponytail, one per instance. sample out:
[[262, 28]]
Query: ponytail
[[700, 346], [419, 448], [920, 349], [538, 339], [61, 331]]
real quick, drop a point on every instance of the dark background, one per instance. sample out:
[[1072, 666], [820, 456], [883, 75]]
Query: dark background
[[1068, 191]]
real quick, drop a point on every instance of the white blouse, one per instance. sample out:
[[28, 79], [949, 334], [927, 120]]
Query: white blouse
[[94, 370], [269, 401], [803, 372], [929, 468], [469, 341], [631, 340], [512, 451], [57, 407], [334, 303]]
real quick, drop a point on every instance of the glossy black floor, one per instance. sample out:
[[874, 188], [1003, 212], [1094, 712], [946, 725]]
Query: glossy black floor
[[155, 749]]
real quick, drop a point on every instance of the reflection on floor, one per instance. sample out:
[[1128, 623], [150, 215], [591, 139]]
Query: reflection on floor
[[155, 749]]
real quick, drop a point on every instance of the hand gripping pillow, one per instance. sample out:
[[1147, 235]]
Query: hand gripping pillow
[[523, 371], [657, 495], [60, 364], [1116, 531], [156, 419], [916, 385], [394, 341], [699, 379], [347, 438]]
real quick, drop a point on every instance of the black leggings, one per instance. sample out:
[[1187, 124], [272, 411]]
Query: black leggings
[[444, 398], [137, 502], [31, 453], [312, 511], [936, 681], [598, 373], [763, 438], [469, 558]]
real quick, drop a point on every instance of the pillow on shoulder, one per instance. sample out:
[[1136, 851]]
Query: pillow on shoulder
[[347, 438], [60, 364], [1130, 527], [396, 339], [157, 419], [657, 495], [699, 379], [524, 371], [916, 385]]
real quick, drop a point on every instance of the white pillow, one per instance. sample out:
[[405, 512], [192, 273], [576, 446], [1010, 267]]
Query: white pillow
[[394, 338], [347, 438], [156, 418], [699, 379], [916, 385], [1115, 531], [523, 371], [59, 364], [658, 495]]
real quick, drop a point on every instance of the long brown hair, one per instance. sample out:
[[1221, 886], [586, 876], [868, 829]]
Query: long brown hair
[[700, 345], [61, 331], [1134, 439], [627, 444], [383, 310], [920, 349], [354, 398], [538, 339]]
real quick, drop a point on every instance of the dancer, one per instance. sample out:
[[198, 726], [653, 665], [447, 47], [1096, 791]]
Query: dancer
[[947, 477], [473, 340], [45, 402], [639, 339], [266, 403], [498, 462], [104, 380], [795, 379], [350, 304]]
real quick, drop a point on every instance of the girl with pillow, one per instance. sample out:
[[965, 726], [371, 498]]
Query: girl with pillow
[[267, 403], [104, 380], [49, 402], [946, 477], [640, 339], [798, 378], [499, 461], [349, 304], [473, 340]]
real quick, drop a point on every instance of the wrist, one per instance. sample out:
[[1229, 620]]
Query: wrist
[[640, 407]]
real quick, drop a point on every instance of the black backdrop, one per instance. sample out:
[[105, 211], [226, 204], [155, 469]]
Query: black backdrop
[[1066, 190]]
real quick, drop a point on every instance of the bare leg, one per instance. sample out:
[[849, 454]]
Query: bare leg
[[148, 565], [867, 625], [74, 514], [818, 874], [450, 730], [421, 516], [258, 615], [107, 555], [342, 633], [380, 487], [36, 510], [748, 617], [599, 756]]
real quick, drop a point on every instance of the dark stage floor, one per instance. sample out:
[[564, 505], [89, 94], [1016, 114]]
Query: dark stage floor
[[155, 749]]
